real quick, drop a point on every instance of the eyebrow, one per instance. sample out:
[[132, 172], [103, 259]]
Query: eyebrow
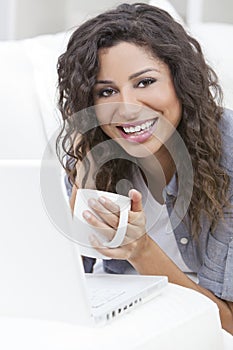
[[135, 75], [132, 76]]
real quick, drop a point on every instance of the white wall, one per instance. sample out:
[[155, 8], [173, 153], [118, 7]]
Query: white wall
[[218, 10], [7, 19], [180, 6], [210, 10], [79, 11], [27, 18], [39, 16]]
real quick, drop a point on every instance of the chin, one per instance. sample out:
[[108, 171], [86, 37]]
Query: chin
[[137, 150]]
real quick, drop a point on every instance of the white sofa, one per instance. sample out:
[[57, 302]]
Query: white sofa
[[27, 98], [28, 84]]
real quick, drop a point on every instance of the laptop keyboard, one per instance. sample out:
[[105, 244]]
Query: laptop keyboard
[[99, 297]]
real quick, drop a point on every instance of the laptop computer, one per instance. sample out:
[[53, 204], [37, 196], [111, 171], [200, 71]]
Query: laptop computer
[[41, 270]]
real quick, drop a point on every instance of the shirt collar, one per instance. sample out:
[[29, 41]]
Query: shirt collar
[[171, 189]]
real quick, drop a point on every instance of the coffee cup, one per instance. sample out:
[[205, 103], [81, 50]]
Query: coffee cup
[[82, 230]]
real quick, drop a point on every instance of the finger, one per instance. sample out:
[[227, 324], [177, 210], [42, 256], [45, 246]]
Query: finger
[[136, 198], [114, 253], [110, 218], [101, 227], [111, 206]]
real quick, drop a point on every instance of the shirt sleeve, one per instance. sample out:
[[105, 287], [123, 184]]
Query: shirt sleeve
[[216, 272], [68, 186]]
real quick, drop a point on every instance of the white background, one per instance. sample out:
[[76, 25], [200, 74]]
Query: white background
[[27, 18]]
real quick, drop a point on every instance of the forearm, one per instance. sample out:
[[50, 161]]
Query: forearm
[[153, 261]]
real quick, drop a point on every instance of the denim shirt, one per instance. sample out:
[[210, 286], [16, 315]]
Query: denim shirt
[[212, 256]]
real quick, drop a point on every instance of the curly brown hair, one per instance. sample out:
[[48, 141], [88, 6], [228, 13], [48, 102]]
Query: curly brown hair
[[195, 83]]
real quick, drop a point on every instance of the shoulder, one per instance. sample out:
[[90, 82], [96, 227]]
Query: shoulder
[[226, 122], [226, 129]]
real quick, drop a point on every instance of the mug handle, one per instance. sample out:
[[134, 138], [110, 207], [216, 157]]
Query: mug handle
[[121, 231]]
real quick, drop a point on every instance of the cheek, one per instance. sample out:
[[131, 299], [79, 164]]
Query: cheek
[[107, 130], [176, 105], [172, 108], [176, 112], [105, 112], [164, 96]]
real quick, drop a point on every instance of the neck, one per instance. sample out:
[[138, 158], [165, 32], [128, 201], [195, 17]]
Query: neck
[[158, 170]]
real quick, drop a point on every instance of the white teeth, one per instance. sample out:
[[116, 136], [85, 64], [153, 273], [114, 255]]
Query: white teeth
[[137, 128], [143, 126], [132, 129]]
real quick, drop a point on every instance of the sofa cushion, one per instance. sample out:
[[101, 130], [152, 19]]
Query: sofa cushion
[[216, 39], [28, 86]]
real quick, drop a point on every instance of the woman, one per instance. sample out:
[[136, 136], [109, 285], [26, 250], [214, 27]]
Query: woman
[[151, 89]]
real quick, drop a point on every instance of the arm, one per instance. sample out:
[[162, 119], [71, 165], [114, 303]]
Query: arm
[[149, 259], [153, 261]]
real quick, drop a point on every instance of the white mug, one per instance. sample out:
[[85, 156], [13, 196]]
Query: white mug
[[82, 230]]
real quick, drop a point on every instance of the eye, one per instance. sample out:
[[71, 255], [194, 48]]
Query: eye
[[106, 92], [145, 82]]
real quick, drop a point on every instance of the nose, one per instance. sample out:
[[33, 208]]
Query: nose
[[129, 106]]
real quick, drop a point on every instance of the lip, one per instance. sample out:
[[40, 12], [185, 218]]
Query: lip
[[139, 138]]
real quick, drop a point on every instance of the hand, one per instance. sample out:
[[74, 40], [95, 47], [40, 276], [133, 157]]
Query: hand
[[109, 212]]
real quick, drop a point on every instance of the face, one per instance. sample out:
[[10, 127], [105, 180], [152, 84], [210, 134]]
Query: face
[[135, 100]]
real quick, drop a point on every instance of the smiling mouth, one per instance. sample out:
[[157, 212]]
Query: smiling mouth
[[139, 128]]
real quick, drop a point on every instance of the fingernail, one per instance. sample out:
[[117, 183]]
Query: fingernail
[[102, 200], [130, 194], [92, 202], [86, 215]]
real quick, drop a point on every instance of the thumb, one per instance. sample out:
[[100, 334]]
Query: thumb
[[136, 198]]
